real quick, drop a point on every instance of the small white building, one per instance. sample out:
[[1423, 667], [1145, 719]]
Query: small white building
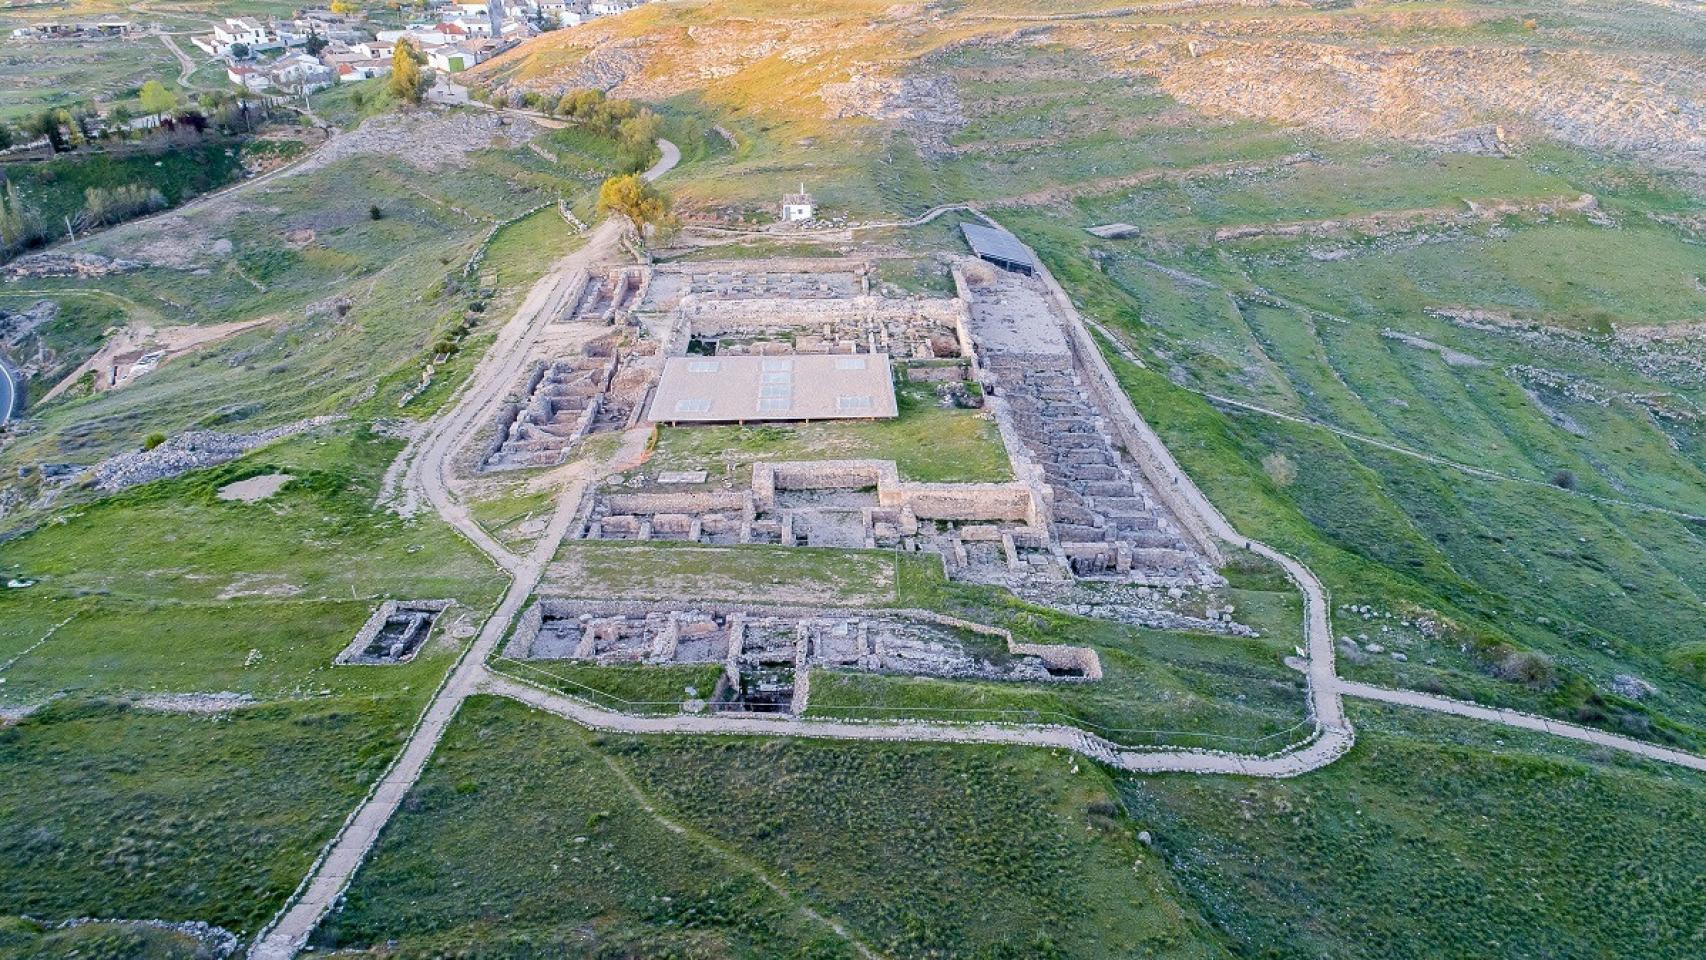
[[246, 31], [299, 71], [452, 57], [247, 77], [798, 207]]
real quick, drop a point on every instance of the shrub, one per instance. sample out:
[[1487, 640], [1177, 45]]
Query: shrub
[[374, 213], [1564, 480], [106, 205], [1528, 667], [1279, 469], [153, 440]]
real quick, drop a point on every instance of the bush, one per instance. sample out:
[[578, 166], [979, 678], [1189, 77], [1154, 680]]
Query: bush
[[107, 205], [1564, 480], [374, 213], [1528, 667], [153, 440]]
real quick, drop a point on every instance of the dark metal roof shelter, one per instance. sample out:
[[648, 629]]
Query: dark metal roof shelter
[[1000, 248]]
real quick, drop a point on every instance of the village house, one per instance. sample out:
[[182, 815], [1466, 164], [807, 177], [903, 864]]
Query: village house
[[453, 57], [243, 32], [247, 77]]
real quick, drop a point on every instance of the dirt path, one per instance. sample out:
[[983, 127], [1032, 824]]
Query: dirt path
[[187, 66]]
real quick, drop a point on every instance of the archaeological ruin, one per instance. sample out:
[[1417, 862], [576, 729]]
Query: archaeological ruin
[[767, 653], [395, 632]]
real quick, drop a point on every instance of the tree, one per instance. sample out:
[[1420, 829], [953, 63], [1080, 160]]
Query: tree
[[20, 226], [157, 99], [408, 80], [239, 51], [314, 44], [631, 197], [5, 136], [345, 7], [580, 104]]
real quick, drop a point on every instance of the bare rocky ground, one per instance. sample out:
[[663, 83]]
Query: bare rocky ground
[[431, 140], [204, 703], [1459, 79], [255, 488]]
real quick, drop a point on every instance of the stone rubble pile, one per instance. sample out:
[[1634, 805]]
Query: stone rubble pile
[[194, 450], [55, 263]]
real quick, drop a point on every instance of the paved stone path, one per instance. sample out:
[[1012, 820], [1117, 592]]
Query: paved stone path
[[429, 472], [1527, 721]]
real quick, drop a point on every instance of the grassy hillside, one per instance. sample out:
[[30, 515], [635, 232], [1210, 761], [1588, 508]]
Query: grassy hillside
[[118, 809], [731, 848]]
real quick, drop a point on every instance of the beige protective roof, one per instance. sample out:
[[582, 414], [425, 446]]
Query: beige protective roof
[[727, 389]]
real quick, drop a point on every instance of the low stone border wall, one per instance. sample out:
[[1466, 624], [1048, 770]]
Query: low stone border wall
[[376, 622]]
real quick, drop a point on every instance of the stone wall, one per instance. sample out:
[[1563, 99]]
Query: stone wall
[[927, 501], [1082, 661], [376, 622]]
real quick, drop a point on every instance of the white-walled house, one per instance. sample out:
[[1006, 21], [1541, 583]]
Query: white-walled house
[[299, 71], [453, 57], [247, 77], [246, 31]]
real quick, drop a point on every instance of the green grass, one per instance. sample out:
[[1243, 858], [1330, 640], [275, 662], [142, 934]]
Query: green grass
[[523, 251], [111, 811], [358, 307], [658, 570], [28, 940], [56, 189], [49, 74], [1440, 838], [930, 442], [522, 840], [1602, 588], [917, 851], [1158, 688]]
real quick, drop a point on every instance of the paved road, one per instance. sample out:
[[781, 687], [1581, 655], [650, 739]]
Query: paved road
[[10, 392]]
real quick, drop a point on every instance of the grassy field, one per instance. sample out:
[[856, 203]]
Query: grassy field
[[1440, 838], [55, 189], [358, 303], [918, 852], [523, 840], [1350, 332], [931, 441], [1159, 688], [658, 570], [27, 940], [114, 809]]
